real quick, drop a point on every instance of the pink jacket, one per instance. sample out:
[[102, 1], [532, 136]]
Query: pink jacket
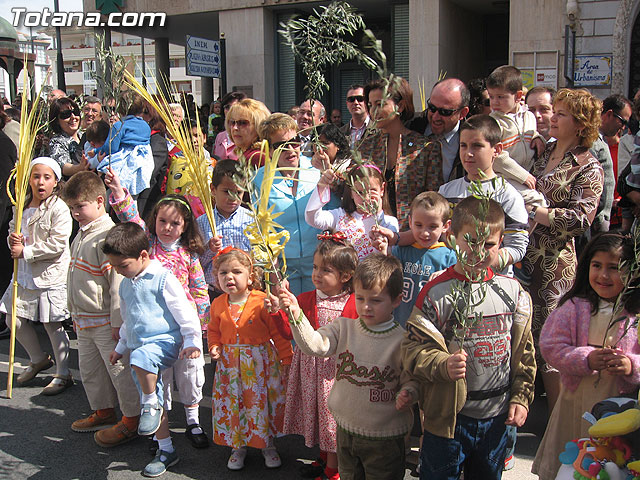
[[564, 344]]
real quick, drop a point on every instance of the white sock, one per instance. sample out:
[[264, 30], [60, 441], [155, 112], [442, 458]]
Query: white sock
[[60, 343], [166, 445], [193, 417], [149, 398]]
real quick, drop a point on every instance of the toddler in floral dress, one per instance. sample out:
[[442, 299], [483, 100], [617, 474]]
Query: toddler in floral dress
[[311, 378], [248, 388]]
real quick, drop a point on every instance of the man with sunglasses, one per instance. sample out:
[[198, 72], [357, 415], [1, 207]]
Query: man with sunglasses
[[357, 128], [616, 111], [447, 106]]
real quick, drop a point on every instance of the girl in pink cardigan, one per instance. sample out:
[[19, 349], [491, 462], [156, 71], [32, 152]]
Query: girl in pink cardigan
[[596, 352]]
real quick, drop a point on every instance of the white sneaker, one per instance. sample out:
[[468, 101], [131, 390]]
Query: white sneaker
[[236, 460], [271, 457]]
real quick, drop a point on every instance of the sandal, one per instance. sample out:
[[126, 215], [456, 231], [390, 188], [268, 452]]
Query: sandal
[[236, 460], [271, 457]]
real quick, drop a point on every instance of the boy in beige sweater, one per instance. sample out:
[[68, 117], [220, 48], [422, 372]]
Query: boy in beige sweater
[[369, 399], [94, 304]]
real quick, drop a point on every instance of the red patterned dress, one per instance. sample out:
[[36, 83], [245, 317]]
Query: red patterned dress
[[311, 378]]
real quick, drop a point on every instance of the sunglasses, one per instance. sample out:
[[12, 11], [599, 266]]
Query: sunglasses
[[354, 98], [239, 123], [622, 120], [445, 112], [67, 113], [485, 102], [295, 142]]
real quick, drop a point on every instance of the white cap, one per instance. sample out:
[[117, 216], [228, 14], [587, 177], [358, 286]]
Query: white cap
[[49, 162]]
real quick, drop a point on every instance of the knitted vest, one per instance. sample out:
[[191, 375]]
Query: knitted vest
[[148, 318]]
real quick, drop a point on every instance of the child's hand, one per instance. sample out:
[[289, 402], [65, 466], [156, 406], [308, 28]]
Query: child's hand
[[114, 357], [214, 352], [101, 156], [16, 239], [272, 303], [115, 333], [189, 352], [320, 159], [327, 178], [530, 182], [403, 400], [617, 362], [538, 145], [215, 244], [457, 365], [379, 241], [385, 232], [91, 153], [517, 415], [112, 181], [289, 300], [597, 359], [17, 250]]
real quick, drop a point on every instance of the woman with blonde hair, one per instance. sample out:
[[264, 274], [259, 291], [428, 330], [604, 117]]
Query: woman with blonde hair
[[570, 178], [242, 122]]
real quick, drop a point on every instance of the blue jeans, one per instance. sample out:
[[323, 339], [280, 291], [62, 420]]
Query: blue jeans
[[478, 447]]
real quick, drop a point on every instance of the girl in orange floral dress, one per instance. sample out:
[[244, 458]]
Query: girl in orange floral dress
[[248, 390]]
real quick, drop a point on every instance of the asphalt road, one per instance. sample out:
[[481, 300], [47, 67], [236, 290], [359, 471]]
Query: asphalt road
[[36, 441]]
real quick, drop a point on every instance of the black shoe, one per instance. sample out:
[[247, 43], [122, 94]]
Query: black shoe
[[5, 333], [153, 446], [198, 440], [313, 470]]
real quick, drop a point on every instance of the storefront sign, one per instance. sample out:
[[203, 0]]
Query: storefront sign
[[592, 71]]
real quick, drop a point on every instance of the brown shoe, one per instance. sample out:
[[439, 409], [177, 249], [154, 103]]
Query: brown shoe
[[114, 436], [33, 369], [54, 388], [94, 422]]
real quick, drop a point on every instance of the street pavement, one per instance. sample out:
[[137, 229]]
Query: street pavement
[[36, 441]]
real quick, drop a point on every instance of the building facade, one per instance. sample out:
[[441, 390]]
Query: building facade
[[422, 39]]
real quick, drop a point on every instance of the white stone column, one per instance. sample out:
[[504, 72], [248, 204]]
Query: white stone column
[[250, 45]]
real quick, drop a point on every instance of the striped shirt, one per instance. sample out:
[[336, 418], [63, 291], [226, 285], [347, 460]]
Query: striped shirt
[[232, 231]]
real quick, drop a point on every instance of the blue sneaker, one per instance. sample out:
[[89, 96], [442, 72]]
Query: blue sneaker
[[160, 463], [149, 419]]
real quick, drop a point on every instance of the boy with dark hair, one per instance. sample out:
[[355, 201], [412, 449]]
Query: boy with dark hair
[[231, 218], [479, 147], [94, 148], [159, 326], [519, 137], [429, 218], [94, 303], [369, 399], [476, 371]]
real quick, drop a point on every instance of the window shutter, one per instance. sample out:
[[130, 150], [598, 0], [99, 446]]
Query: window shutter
[[401, 40]]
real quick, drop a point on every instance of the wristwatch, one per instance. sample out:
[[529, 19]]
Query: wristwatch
[[532, 213]]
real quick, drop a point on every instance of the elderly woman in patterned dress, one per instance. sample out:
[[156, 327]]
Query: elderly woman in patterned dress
[[571, 180], [409, 162]]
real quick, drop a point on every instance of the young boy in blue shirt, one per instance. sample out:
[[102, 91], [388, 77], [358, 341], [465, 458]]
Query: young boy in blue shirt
[[429, 218], [159, 325], [231, 219]]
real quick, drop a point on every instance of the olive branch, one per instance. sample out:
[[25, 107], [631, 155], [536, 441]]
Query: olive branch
[[466, 296]]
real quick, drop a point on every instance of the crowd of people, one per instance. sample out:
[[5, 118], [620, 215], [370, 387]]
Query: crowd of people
[[431, 271]]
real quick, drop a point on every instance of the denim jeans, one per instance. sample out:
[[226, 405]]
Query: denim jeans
[[478, 447]]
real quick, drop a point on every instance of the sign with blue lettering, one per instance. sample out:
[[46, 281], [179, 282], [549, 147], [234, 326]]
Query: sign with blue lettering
[[203, 57], [592, 71]]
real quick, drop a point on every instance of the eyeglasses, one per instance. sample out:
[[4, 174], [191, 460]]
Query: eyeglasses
[[445, 112], [239, 123], [63, 115], [622, 120], [354, 98], [295, 142]]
